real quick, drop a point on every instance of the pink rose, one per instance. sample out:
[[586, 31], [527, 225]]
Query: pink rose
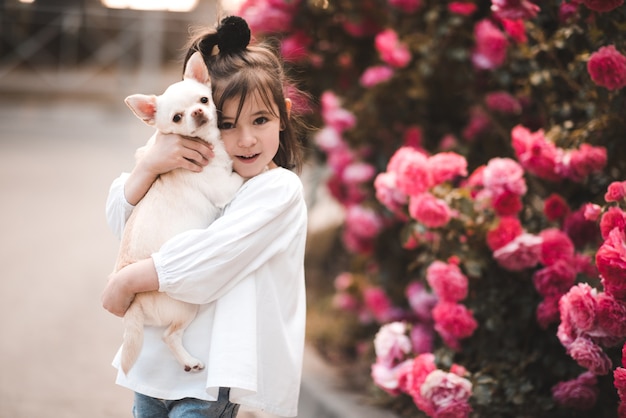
[[429, 210], [408, 6], [328, 139], [580, 393], [362, 221], [555, 207], [421, 301], [578, 308], [555, 279], [567, 11], [516, 29], [501, 101], [411, 168], [548, 311], [446, 166], [462, 8], [616, 191], [603, 5], [580, 230], [521, 253], [446, 392], [391, 344], [507, 203], [478, 123], [388, 194], [592, 211], [535, 153], [607, 66], [345, 302], [504, 174], [614, 217], [378, 303], [514, 9], [389, 378], [447, 281], [611, 315], [358, 172], [391, 50], [590, 356], [334, 115], [343, 281], [556, 246], [611, 263], [453, 322], [507, 229], [582, 162], [619, 380], [491, 46], [422, 365], [267, 16], [376, 75]]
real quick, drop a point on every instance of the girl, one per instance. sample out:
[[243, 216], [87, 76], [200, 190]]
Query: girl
[[245, 270]]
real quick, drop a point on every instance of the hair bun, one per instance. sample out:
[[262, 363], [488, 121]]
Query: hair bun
[[233, 35]]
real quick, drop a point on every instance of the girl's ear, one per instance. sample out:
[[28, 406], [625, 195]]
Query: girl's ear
[[288, 106], [196, 69]]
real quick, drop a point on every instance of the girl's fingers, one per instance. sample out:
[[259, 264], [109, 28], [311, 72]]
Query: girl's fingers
[[204, 149]]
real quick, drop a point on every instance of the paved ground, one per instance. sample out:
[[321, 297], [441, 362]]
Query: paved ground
[[57, 159]]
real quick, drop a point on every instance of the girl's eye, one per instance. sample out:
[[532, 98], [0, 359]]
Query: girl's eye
[[204, 100], [177, 118], [261, 120], [226, 125]]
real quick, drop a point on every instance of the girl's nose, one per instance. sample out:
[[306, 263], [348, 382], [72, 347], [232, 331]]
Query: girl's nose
[[247, 139]]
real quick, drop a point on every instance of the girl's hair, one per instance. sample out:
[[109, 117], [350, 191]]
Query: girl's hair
[[239, 70]]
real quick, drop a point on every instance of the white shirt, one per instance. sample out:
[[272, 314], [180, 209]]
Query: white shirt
[[246, 270]]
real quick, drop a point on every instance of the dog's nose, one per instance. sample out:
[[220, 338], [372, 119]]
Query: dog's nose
[[197, 112]]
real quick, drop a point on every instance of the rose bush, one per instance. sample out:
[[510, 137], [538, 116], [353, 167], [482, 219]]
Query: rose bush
[[477, 148]]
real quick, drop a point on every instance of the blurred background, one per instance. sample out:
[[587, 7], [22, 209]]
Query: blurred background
[[65, 133]]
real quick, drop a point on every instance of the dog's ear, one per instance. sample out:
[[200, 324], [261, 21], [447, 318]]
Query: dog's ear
[[144, 106], [196, 69]]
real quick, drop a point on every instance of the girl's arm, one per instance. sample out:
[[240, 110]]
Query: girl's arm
[[199, 266], [123, 285], [265, 219]]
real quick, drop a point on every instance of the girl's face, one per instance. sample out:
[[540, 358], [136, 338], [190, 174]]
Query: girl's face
[[253, 141]]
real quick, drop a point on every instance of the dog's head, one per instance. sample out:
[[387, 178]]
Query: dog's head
[[185, 108]]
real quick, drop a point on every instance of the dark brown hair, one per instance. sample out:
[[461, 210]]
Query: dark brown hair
[[239, 70]]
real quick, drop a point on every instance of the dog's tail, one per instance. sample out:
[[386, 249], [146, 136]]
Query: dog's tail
[[133, 336]]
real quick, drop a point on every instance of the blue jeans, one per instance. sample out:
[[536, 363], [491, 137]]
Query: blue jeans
[[147, 407]]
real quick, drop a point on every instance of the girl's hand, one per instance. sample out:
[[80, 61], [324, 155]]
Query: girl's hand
[[126, 283], [168, 152], [116, 297], [171, 151]]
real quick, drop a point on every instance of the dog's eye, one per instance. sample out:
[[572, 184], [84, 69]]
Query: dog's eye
[[204, 100], [177, 117]]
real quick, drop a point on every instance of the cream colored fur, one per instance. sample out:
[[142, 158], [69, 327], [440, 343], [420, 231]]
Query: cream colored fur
[[177, 201]]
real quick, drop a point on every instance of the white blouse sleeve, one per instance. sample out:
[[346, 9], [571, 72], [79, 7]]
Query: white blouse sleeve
[[117, 207], [265, 217]]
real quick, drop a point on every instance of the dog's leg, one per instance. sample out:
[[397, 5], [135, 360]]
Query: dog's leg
[[173, 337]]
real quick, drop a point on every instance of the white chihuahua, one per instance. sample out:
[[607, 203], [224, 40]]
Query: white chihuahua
[[177, 201]]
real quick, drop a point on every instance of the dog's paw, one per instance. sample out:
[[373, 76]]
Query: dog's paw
[[194, 367]]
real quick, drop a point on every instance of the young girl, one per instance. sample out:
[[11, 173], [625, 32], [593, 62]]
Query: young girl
[[245, 271]]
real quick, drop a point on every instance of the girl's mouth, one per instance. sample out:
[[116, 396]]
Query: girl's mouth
[[248, 158]]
